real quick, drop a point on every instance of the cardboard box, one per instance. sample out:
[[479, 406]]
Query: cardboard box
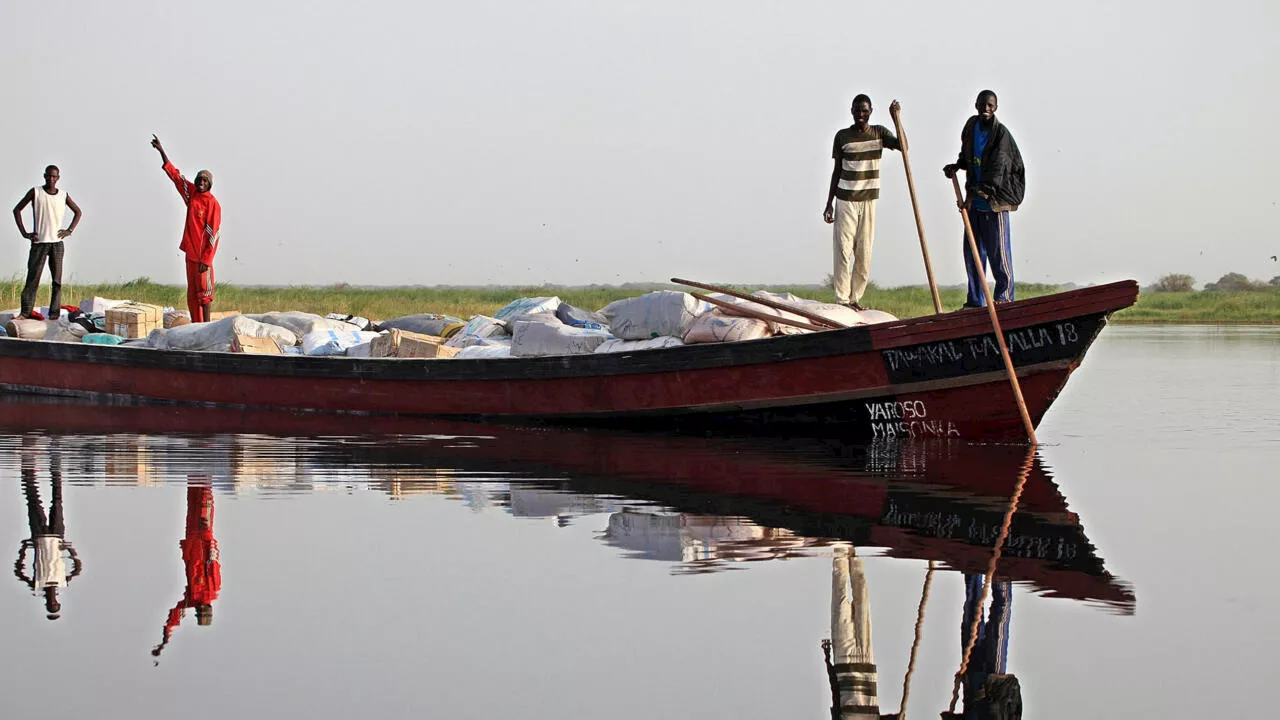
[[134, 320], [224, 314], [402, 344], [254, 345]]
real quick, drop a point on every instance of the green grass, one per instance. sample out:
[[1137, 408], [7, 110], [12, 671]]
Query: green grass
[[1253, 307]]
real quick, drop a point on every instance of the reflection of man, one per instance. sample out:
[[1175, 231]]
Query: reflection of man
[[48, 565], [200, 556], [988, 691], [852, 674]]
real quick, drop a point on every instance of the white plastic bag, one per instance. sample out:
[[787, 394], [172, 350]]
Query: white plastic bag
[[217, 335], [516, 310], [301, 323], [333, 342], [485, 349], [479, 326], [615, 345], [536, 339], [664, 312], [715, 326]]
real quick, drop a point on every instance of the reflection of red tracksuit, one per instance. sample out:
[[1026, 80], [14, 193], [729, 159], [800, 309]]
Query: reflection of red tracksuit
[[200, 555], [200, 234]]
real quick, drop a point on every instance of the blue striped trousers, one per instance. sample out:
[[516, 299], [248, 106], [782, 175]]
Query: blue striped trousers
[[991, 232]]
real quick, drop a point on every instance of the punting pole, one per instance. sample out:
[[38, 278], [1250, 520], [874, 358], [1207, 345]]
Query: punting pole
[[991, 311], [776, 305], [760, 315], [915, 206]]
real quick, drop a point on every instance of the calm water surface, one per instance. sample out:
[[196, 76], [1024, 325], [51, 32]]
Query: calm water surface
[[240, 564]]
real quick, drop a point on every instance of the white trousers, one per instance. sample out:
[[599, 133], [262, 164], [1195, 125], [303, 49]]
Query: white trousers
[[855, 228], [851, 651]]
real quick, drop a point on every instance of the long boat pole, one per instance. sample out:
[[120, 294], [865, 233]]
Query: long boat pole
[[991, 311], [748, 312], [775, 304], [915, 206]]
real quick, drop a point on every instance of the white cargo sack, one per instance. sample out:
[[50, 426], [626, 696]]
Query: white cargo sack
[[535, 339], [333, 342], [363, 350], [99, 305], [517, 310], [361, 323], [832, 311], [615, 345], [216, 336], [717, 327], [301, 323], [422, 323], [484, 349], [478, 327], [664, 312]]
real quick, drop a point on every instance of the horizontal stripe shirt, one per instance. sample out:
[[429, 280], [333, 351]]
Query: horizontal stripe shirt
[[859, 156]]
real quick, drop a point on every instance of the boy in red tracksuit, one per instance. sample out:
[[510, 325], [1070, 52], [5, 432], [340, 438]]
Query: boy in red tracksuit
[[200, 556], [200, 234]]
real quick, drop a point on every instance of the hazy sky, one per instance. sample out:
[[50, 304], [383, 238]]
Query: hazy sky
[[577, 141]]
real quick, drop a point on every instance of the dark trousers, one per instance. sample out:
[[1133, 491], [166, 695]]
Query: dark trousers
[[991, 233], [991, 650], [39, 523], [40, 252]]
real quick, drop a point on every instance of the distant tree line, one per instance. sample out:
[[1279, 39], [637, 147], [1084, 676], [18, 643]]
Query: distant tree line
[[1231, 282]]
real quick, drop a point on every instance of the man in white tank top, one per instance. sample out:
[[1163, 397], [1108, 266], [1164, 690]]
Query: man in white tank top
[[48, 208]]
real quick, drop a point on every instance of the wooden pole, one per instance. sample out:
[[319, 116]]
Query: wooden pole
[[991, 311], [748, 312], [915, 206], [775, 304]]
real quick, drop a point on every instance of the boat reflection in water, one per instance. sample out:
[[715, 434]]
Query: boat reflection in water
[[990, 513]]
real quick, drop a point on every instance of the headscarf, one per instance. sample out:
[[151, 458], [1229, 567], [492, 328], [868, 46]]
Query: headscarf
[[206, 172]]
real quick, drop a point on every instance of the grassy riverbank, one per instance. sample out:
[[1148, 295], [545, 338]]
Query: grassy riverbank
[[1252, 307]]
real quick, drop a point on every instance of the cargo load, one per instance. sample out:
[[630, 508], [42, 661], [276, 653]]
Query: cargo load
[[217, 336], [538, 339], [716, 326], [254, 345], [425, 323], [174, 318], [614, 345], [133, 319], [301, 323], [334, 342], [402, 344], [663, 312], [476, 329], [519, 309]]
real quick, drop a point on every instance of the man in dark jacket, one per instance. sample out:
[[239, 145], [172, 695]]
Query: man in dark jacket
[[996, 181]]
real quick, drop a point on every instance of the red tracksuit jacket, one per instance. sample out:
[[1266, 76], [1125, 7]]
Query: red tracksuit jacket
[[201, 230]]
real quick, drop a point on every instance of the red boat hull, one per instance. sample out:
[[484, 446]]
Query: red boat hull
[[936, 376]]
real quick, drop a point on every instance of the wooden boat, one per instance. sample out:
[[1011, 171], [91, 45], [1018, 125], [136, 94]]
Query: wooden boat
[[932, 376], [933, 500]]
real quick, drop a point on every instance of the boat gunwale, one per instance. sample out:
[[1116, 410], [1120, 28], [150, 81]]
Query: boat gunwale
[[855, 340]]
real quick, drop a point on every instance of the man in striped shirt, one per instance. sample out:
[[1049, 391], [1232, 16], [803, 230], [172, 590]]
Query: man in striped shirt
[[851, 199]]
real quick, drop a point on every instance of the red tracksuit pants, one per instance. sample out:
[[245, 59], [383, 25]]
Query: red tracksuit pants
[[199, 290]]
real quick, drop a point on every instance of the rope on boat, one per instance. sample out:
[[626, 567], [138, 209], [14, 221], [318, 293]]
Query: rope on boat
[[991, 571]]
